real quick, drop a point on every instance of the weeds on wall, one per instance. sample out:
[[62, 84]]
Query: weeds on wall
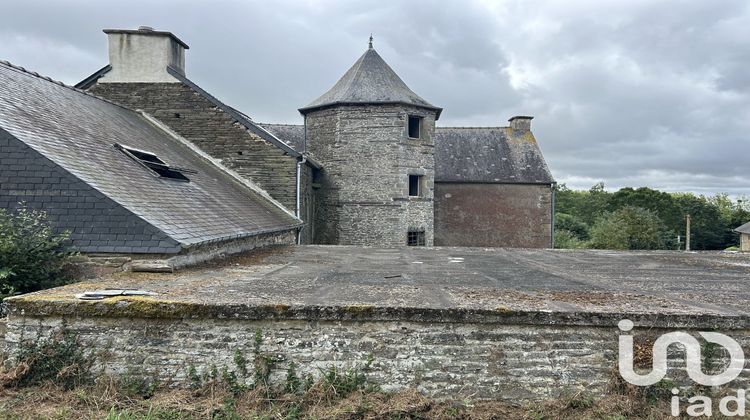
[[60, 361]]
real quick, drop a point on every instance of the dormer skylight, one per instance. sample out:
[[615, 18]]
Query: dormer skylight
[[157, 166]]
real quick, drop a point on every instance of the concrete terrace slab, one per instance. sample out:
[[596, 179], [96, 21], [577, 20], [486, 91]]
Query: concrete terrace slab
[[434, 284]]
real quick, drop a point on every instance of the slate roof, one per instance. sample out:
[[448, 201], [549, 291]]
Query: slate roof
[[77, 130], [238, 116], [369, 81], [489, 155], [293, 134], [744, 228]]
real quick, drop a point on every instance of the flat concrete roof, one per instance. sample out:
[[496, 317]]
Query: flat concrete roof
[[434, 284]]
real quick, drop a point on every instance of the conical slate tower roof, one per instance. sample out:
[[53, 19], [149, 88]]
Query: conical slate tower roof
[[369, 81]]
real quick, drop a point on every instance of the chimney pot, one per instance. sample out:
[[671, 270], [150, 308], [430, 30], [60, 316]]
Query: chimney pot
[[521, 122]]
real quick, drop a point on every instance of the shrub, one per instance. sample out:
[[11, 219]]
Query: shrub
[[32, 255], [629, 228], [573, 225], [565, 239], [60, 360]]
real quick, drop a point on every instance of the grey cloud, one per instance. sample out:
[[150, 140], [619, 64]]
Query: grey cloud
[[652, 93]]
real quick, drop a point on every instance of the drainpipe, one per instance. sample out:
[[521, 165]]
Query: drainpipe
[[552, 220], [297, 212]]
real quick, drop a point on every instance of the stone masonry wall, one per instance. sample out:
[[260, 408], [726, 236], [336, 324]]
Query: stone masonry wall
[[456, 360], [367, 159], [96, 223], [493, 215], [197, 119]]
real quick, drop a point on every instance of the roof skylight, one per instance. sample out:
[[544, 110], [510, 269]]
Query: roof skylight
[[156, 165]]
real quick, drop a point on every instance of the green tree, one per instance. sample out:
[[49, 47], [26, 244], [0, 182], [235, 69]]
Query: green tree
[[565, 239], [572, 224], [32, 255], [629, 228], [707, 229], [586, 206], [732, 214], [661, 203]]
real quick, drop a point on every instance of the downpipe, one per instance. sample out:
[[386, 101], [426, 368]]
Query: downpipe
[[297, 211]]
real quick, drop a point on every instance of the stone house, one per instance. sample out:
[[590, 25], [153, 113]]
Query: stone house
[[146, 71], [391, 177], [744, 232], [121, 181], [367, 167], [492, 187]]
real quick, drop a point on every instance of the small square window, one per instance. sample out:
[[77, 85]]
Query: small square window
[[415, 126], [415, 238], [415, 182]]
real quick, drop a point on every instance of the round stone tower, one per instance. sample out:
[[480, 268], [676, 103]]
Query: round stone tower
[[375, 140]]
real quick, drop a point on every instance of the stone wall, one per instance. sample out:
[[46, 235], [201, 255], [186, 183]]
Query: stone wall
[[367, 158], [493, 215], [475, 360], [198, 120]]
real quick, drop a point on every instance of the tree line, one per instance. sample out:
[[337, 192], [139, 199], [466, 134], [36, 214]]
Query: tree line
[[645, 218]]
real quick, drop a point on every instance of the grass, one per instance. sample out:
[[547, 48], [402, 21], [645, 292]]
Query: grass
[[108, 399]]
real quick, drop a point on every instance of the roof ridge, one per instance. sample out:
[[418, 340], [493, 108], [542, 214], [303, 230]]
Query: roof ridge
[[57, 82]]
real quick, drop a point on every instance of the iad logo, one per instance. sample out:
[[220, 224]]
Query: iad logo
[[693, 366]]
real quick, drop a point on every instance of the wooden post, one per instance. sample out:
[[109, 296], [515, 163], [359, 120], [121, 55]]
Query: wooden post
[[687, 232]]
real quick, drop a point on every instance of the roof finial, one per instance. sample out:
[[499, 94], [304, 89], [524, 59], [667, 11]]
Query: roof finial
[[370, 41]]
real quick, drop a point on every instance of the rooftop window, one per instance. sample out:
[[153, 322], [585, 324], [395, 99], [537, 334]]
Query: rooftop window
[[155, 165]]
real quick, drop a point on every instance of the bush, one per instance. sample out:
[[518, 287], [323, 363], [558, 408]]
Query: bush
[[565, 239], [572, 224], [629, 228], [32, 255]]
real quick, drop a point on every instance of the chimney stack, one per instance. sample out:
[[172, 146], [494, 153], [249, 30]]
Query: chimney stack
[[143, 55], [521, 123]]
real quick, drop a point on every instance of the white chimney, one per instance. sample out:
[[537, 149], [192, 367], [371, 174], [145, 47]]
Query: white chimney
[[521, 123], [143, 55]]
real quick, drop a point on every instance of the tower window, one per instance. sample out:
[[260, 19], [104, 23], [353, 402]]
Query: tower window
[[415, 126], [415, 182], [415, 237]]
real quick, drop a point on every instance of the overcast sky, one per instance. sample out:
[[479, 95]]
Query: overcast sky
[[631, 92]]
